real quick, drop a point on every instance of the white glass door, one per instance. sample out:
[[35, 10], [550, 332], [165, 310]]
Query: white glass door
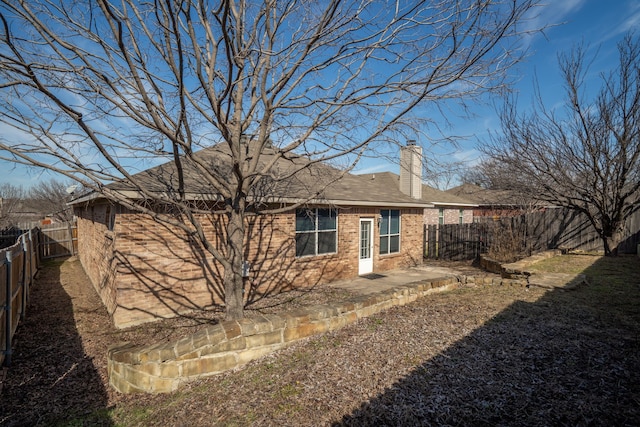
[[365, 265]]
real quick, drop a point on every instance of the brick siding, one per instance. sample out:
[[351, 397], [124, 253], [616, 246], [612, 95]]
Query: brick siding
[[451, 216], [96, 252], [144, 270]]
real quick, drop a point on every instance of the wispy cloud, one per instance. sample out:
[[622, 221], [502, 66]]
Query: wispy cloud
[[471, 157], [551, 14], [632, 20], [627, 21], [381, 167], [556, 11]]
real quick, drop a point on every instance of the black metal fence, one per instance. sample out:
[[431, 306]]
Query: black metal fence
[[9, 236], [455, 242]]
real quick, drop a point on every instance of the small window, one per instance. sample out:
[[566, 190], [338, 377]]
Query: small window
[[110, 216], [316, 232], [441, 216], [461, 216], [107, 218], [389, 231]]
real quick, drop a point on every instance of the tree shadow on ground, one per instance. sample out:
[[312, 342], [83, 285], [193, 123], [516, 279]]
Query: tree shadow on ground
[[570, 358], [51, 379]]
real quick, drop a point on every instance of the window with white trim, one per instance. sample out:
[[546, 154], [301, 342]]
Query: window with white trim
[[441, 216], [316, 232], [389, 231], [461, 216]]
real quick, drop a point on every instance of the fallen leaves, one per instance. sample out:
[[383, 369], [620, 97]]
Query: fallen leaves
[[479, 355]]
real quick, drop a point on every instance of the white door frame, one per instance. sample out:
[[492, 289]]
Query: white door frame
[[365, 254]]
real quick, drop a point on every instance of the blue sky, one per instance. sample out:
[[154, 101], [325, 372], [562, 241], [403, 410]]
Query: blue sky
[[599, 24]]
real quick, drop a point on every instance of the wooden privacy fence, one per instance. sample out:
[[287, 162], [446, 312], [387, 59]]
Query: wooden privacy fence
[[54, 240], [18, 266], [57, 240], [533, 232]]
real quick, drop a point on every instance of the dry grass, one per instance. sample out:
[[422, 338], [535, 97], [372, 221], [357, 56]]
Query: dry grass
[[495, 355]]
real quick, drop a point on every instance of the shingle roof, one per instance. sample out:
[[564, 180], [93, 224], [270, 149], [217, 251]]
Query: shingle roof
[[429, 194], [333, 185], [483, 196]]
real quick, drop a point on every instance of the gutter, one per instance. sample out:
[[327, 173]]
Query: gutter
[[130, 194]]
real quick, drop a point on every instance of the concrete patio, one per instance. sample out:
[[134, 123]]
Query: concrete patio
[[379, 282]]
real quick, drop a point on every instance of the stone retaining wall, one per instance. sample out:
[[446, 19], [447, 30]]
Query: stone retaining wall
[[163, 367], [518, 269], [490, 265]]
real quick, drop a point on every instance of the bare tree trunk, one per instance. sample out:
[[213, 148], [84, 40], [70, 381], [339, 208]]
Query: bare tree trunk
[[263, 80], [233, 280], [611, 241]]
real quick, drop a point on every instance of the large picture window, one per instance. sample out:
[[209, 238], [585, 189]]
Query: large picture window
[[316, 232], [389, 231]]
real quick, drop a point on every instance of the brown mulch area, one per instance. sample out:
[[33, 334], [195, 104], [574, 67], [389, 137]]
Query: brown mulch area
[[60, 348], [495, 355]]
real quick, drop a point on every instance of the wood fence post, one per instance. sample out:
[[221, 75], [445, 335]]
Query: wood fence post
[[9, 297], [3, 262], [26, 281], [34, 251], [39, 246], [70, 230]]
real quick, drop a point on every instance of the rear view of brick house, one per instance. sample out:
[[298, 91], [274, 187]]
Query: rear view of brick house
[[145, 270]]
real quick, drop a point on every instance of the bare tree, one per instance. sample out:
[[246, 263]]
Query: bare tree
[[587, 159], [51, 198], [11, 199], [488, 174], [90, 86]]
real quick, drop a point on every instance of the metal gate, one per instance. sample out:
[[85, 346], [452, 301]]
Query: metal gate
[[455, 242]]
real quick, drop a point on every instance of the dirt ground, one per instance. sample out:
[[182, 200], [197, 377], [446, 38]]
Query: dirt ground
[[60, 349], [474, 356]]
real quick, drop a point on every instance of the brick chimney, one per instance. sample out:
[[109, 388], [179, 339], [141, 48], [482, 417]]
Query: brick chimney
[[411, 170]]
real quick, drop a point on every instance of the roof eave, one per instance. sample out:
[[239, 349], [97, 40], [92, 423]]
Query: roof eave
[[86, 198], [366, 203], [464, 205], [131, 194]]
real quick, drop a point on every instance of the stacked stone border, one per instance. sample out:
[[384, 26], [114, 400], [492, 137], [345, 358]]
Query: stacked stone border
[[162, 368], [518, 269]]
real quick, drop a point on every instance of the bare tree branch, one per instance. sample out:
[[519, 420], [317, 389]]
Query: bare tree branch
[[11, 201], [587, 157], [102, 90], [50, 199]]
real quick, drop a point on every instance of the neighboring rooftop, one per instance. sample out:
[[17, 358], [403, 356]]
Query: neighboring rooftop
[[483, 196]]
